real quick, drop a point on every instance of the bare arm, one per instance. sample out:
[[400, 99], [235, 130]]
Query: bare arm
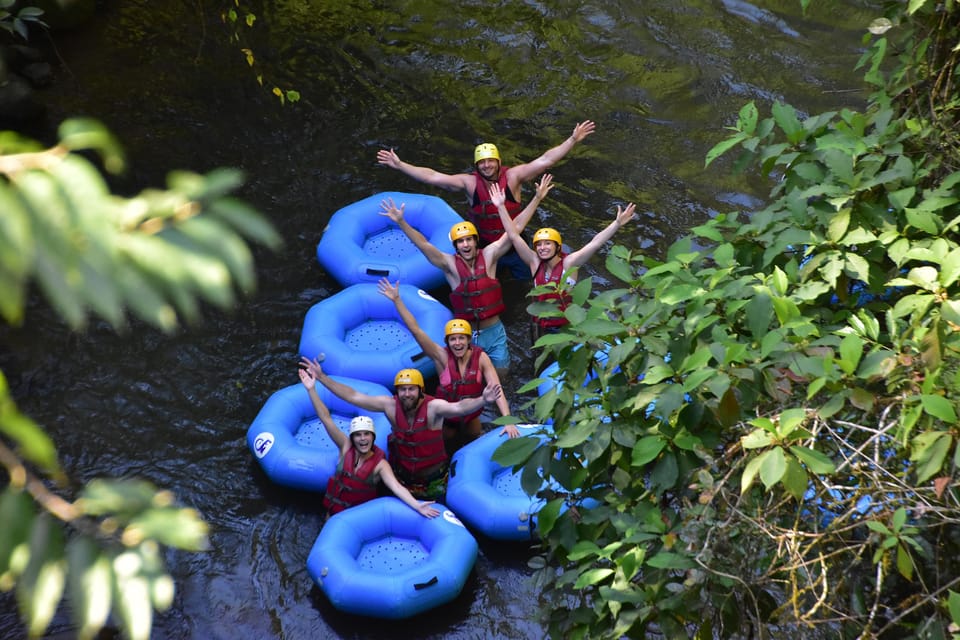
[[433, 350], [437, 258], [460, 181], [575, 259], [386, 474], [514, 227], [339, 437], [345, 392], [440, 409], [525, 172], [490, 376]]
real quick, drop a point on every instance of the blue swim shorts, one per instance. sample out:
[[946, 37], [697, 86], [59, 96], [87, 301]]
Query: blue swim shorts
[[493, 340]]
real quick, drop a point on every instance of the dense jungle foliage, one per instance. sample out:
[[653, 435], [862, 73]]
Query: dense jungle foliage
[[768, 416]]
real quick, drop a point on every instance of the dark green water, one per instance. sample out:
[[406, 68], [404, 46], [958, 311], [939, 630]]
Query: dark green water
[[431, 79]]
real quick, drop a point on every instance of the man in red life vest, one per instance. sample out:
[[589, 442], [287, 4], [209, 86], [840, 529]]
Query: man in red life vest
[[417, 452], [549, 264], [463, 368], [361, 464], [488, 171], [471, 272]]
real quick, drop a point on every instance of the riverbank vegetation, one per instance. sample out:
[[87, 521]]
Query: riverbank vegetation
[[768, 416]]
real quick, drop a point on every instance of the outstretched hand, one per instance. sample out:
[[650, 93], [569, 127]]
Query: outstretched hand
[[491, 392], [388, 158], [497, 196], [391, 291], [627, 214], [582, 130], [390, 209], [544, 186], [306, 377], [312, 367]]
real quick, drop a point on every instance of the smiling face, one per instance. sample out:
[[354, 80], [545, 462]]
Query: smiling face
[[409, 396], [362, 440], [458, 344], [546, 249], [489, 169], [466, 247]]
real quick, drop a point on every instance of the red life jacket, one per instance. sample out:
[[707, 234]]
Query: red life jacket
[[348, 488], [478, 296], [414, 448], [484, 212], [562, 298], [454, 387]]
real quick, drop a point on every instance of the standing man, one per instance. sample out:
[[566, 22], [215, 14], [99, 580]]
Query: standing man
[[489, 171], [463, 368], [418, 455], [471, 272], [361, 464], [547, 262]]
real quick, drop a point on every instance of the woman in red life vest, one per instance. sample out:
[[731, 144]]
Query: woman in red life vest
[[488, 170], [471, 272], [463, 368], [547, 262], [417, 452], [361, 464]]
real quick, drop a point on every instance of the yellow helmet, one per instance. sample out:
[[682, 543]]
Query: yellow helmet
[[457, 327], [484, 151], [408, 376], [547, 234], [362, 423], [462, 230]]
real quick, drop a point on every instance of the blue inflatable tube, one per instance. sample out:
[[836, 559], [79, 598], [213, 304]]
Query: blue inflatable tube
[[361, 245], [488, 496], [383, 559], [361, 335], [291, 444]]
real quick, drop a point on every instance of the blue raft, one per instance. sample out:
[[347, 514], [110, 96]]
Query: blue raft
[[362, 336], [383, 559], [291, 444], [361, 245]]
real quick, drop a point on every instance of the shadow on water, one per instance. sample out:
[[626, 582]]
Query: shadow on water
[[430, 78]]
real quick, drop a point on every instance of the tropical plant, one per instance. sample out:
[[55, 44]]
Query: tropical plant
[[158, 256], [767, 416]]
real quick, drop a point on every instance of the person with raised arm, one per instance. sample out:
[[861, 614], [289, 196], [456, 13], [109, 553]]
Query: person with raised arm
[[463, 368], [471, 272], [361, 464], [489, 171], [547, 262], [418, 455]]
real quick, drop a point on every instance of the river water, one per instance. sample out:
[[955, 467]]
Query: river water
[[430, 78]]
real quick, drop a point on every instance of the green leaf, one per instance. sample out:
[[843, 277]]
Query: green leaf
[[814, 460], [17, 514], [851, 350], [41, 586], [795, 479], [786, 118], [514, 451], [938, 407], [591, 577], [930, 450], [904, 562], [757, 439], [89, 581], [131, 591], [547, 516], [953, 605], [722, 147], [750, 473], [668, 560], [772, 467], [647, 449]]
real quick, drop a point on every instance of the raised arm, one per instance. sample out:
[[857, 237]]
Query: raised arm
[[346, 392], [514, 227], [433, 350], [339, 437], [575, 259], [423, 508], [460, 181], [436, 257], [525, 172]]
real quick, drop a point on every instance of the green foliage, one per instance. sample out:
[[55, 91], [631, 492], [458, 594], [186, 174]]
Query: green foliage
[[20, 22], [157, 256], [776, 392], [238, 19]]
